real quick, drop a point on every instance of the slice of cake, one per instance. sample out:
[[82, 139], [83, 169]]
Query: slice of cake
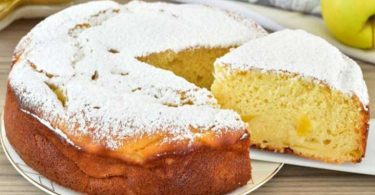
[[298, 94]]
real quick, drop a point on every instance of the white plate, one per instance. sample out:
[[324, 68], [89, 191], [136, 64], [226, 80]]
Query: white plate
[[261, 172]]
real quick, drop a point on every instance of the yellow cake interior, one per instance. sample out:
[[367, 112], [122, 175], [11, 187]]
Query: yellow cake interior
[[195, 65], [285, 111]]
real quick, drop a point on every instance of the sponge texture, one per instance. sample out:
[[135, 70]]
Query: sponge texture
[[289, 113]]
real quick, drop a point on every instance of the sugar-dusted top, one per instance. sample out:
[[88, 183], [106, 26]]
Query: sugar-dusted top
[[297, 51], [78, 71]]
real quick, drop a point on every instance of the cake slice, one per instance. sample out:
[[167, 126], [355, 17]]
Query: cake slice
[[298, 94]]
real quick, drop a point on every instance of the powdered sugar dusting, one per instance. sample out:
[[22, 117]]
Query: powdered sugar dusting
[[297, 51], [78, 71]]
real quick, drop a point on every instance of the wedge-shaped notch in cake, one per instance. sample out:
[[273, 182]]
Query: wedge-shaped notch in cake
[[298, 94]]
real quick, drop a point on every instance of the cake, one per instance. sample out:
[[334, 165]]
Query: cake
[[92, 103], [298, 94]]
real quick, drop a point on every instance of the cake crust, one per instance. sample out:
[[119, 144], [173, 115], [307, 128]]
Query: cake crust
[[202, 171]]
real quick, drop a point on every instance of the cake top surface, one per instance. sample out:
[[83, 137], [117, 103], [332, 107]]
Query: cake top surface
[[297, 51], [78, 71]]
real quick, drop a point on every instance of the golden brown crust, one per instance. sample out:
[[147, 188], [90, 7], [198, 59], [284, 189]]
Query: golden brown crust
[[203, 171]]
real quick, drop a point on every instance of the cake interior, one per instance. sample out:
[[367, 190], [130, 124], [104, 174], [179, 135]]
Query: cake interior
[[286, 112], [195, 65]]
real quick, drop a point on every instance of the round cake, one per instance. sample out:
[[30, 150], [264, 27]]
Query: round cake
[[92, 102]]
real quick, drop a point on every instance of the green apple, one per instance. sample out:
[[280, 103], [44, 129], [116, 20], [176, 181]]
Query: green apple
[[351, 21]]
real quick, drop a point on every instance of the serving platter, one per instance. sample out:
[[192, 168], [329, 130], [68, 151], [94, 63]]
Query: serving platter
[[261, 172]]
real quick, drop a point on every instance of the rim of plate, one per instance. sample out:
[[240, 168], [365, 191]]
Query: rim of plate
[[15, 166], [47, 190]]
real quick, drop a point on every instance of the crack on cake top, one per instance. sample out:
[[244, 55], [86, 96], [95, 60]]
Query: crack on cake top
[[93, 21]]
